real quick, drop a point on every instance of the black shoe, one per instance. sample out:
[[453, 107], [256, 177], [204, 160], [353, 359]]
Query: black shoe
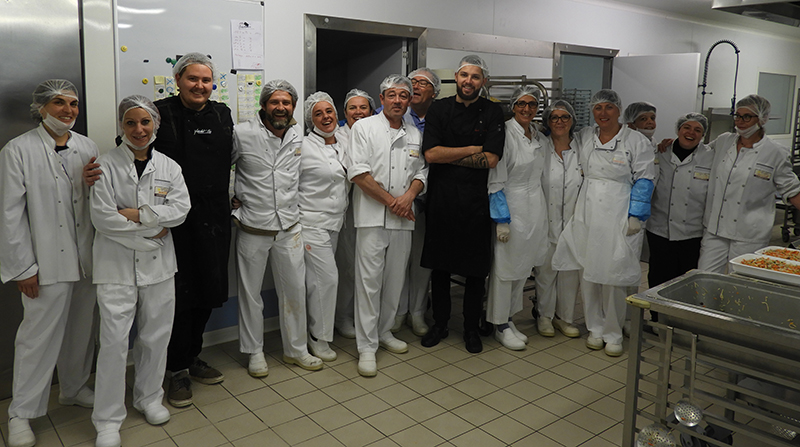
[[201, 372], [180, 390], [434, 336], [473, 342]]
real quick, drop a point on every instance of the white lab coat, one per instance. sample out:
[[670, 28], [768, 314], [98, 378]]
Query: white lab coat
[[679, 197]]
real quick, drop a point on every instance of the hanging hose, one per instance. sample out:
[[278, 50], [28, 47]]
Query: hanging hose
[[735, 76]]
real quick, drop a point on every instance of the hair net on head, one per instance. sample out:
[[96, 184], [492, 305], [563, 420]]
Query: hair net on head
[[758, 104], [275, 85], [525, 90], [693, 116], [191, 59], [637, 108], [312, 100], [606, 95], [139, 101], [558, 104], [396, 81], [474, 59], [426, 73], [46, 91], [355, 93]]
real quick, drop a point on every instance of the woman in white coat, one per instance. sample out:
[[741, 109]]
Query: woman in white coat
[[556, 292], [604, 237], [323, 192], [140, 195], [518, 207], [748, 170]]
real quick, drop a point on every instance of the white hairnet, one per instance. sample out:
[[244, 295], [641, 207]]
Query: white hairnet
[[312, 100], [634, 110], [139, 101], [758, 104], [524, 90], [355, 93], [46, 91], [693, 116], [558, 104], [396, 81], [426, 73], [606, 95], [474, 59], [275, 85], [191, 59]]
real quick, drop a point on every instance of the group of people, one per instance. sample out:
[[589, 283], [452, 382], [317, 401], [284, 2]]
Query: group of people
[[444, 187]]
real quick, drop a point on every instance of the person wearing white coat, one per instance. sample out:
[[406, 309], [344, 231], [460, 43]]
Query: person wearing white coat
[[267, 153], [556, 291], [139, 197], [748, 170], [604, 237], [388, 168], [46, 248], [323, 192], [518, 207]]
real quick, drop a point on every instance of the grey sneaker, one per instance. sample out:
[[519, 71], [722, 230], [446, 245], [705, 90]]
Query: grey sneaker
[[180, 390], [201, 372]]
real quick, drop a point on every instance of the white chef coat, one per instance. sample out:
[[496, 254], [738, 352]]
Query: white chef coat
[[124, 254], [741, 195], [394, 163], [679, 197], [323, 184], [46, 227], [561, 182], [266, 179]]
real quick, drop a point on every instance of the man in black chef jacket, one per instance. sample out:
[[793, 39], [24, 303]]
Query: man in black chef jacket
[[464, 138]]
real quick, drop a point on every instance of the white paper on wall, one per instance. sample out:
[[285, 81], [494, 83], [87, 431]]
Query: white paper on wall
[[247, 45]]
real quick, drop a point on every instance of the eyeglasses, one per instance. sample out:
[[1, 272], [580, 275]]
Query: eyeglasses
[[420, 82], [743, 118], [563, 118], [522, 104]]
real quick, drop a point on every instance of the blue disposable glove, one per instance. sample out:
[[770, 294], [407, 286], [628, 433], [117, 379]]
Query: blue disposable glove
[[640, 199], [498, 207]]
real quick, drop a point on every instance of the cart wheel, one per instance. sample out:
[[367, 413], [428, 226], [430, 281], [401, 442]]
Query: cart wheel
[[485, 328], [785, 235], [796, 231], [534, 313]]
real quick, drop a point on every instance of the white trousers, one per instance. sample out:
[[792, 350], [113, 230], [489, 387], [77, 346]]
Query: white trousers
[[322, 279], [56, 329], [556, 291], [715, 252], [381, 263], [153, 308], [289, 273], [504, 300], [346, 263], [414, 298], [604, 309]]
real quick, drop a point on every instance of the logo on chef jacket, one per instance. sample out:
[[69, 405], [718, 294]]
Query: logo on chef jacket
[[763, 171], [202, 131], [297, 151], [701, 173]]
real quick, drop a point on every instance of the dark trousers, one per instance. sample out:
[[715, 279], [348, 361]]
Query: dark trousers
[[187, 338], [473, 299], [670, 259]]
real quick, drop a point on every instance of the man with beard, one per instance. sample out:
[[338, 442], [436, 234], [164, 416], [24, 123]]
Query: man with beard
[[266, 151], [464, 138]]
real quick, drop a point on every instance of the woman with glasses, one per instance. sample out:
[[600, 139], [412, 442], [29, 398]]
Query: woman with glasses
[[604, 237], [748, 169], [518, 207], [556, 291]]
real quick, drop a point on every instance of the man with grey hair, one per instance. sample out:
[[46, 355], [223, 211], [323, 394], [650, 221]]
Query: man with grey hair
[[387, 167], [266, 151]]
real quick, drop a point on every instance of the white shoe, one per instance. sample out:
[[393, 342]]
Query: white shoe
[[418, 325], [398, 323], [517, 333], [545, 327], [108, 438], [321, 349], [257, 366], [570, 330], [613, 349], [156, 414], [20, 433], [347, 331], [509, 340], [594, 343], [307, 362], [84, 398], [391, 344], [367, 366]]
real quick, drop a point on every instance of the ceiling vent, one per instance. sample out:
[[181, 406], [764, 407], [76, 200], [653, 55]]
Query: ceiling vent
[[784, 12]]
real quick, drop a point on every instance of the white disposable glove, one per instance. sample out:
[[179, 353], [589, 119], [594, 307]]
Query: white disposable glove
[[503, 232], [634, 225]]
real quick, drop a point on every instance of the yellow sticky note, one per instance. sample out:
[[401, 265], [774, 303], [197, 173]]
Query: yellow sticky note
[[160, 80], [250, 78]]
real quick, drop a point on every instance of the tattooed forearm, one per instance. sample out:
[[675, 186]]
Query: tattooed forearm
[[476, 161]]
